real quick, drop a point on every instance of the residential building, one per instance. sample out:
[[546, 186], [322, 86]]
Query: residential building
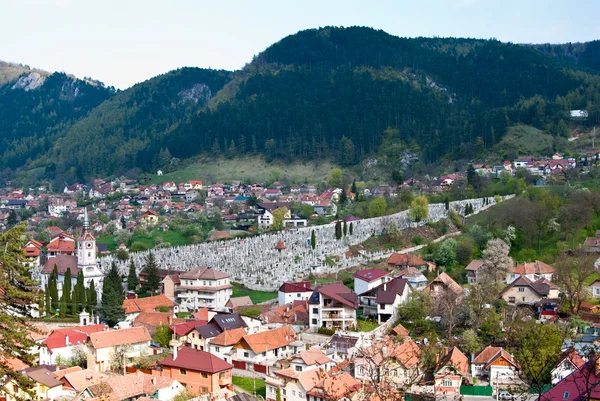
[[415, 278], [569, 362], [494, 364], [367, 279], [443, 286], [62, 344], [311, 359], [290, 292], [198, 371], [103, 346], [133, 307], [583, 384], [223, 344], [150, 218], [203, 287], [405, 260], [383, 301], [335, 387], [472, 270], [33, 253], [45, 385], [524, 291], [295, 313], [234, 304], [533, 271], [332, 306], [451, 372], [134, 386], [292, 385], [595, 288], [260, 351]]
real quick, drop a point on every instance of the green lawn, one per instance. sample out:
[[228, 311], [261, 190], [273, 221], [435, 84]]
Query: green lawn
[[253, 169], [256, 296], [366, 325], [248, 384], [175, 238]]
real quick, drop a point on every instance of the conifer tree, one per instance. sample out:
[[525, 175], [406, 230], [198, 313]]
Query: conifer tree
[[132, 278], [53, 289], [111, 309], [313, 239], [82, 293], [114, 279], [152, 280], [48, 300], [345, 228], [92, 296], [351, 231], [65, 299], [78, 296], [353, 187], [16, 284], [338, 230]]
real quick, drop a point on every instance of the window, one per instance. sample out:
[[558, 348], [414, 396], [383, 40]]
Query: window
[[447, 382], [246, 354], [293, 393], [511, 300], [222, 375], [298, 295], [284, 392], [204, 375], [182, 372], [300, 394], [298, 368], [217, 349], [15, 389], [566, 395], [521, 289], [204, 390], [315, 310], [314, 321], [361, 370]]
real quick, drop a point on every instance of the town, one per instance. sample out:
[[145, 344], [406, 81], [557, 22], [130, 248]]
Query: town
[[277, 301]]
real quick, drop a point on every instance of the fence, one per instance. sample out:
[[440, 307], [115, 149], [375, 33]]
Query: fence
[[476, 390]]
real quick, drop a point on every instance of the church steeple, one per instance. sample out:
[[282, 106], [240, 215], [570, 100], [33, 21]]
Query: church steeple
[[86, 221]]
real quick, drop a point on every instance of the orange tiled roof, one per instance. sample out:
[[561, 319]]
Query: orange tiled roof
[[229, 337], [113, 338], [146, 304], [268, 340], [536, 267]]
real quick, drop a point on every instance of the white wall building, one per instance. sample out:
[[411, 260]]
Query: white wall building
[[203, 287]]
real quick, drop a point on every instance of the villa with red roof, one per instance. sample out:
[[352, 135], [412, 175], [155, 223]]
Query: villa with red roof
[[533, 271], [367, 279], [332, 306], [495, 363], [199, 371], [450, 372], [290, 292], [63, 342]]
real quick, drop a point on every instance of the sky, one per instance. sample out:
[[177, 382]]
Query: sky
[[123, 42]]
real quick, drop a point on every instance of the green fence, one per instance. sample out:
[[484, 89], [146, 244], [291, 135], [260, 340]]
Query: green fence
[[476, 390]]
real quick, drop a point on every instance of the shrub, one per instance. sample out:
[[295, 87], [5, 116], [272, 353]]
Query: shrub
[[326, 331], [417, 240], [137, 247]]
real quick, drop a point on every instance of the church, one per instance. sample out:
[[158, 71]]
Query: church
[[64, 257]]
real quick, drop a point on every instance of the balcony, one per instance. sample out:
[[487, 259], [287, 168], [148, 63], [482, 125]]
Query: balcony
[[226, 381], [337, 316]]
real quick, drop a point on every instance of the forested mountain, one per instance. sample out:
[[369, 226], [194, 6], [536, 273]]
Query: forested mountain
[[36, 107], [333, 93]]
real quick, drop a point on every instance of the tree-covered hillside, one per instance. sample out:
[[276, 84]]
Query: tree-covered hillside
[[333, 93]]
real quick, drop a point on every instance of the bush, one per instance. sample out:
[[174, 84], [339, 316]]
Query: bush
[[137, 247], [326, 331], [417, 240]]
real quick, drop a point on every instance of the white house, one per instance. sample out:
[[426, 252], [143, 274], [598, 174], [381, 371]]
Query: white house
[[332, 306], [383, 300], [494, 363], [290, 292], [367, 279], [311, 359], [223, 344], [261, 350], [103, 346], [568, 363], [595, 288], [62, 344], [532, 270], [203, 287]]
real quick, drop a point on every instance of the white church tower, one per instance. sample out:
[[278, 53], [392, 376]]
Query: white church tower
[[86, 257]]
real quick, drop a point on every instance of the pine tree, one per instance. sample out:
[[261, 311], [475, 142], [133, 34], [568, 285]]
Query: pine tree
[[78, 297], [53, 289], [152, 280], [111, 309], [16, 284], [353, 187], [75, 300], [82, 293], [343, 197], [48, 300], [338, 230], [351, 228], [92, 296], [345, 228], [313, 239], [132, 278], [65, 299], [114, 279], [447, 203]]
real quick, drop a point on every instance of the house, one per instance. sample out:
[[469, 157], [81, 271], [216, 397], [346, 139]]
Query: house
[[415, 278], [76, 380], [444, 286], [292, 385], [495, 364], [151, 320], [394, 362], [223, 344], [310, 359], [62, 244], [188, 333], [198, 371], [367, 279], [332, 306], [261, 350], [45, 386], [383, 300], [472, 270], [33, 253], [595, 288], [150, 218], [103, 346], [521, 161], [133, 307], [295, 313], [533, 271], [405, 260], [451, 371], [325, 207], [203, 287], [162, 274], [569, 362], [199, 334], [62, 344], [168, 285], [134, 386], [335, 387], [592, 244], [238, 302], [524, 291], [583, 384], [290, 292]]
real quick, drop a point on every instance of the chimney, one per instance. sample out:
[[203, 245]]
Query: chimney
[[67, 341], [385, 286], [154, 380]]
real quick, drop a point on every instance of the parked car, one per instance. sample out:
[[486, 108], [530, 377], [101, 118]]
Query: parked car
[[505, 395]]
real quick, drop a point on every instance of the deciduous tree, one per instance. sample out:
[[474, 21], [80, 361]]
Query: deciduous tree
[[419, 209]]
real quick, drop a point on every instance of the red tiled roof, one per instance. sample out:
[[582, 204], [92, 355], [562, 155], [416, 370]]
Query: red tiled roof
[[280, 245], [536, 267], [146, 304], [62, 262], [58, 338], [183, 329], [370, 275], [229, 337], [112, 338], [406, 259], [474, 265], [303, 286], [339, 292], [268, 340], [196, 360], [203, 273]]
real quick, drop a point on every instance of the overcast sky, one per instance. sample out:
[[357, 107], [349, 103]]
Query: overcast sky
[[123, 42]]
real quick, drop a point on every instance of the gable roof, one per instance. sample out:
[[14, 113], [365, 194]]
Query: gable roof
[[43, 376], [62, 262], [536, 267], [490, 354], [336, 291], [400, 330], [314, 356], [455, 358], [130, 386], [183, 329], [113, 338], [229, 337], [405, 259], [146, 304], [228, 321], [197, 360], [448, 282], [474, 265], [268, 340], [209, 330], [72, 336], [203, 272], [370, 275], [541, 287], [302, 286], [82, 378], [240, 301]]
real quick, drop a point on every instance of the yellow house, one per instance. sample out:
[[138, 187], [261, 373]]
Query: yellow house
[[45, 386], [150, 218]]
